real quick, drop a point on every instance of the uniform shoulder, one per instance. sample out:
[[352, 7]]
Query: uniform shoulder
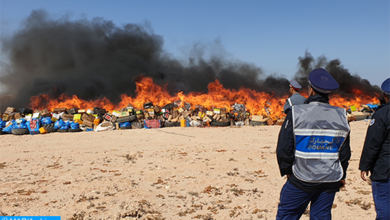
[[298, 98], [382, 114], [384, 110], [298, 95]]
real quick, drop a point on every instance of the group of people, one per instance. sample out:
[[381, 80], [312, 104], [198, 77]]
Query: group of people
[[313, 151]]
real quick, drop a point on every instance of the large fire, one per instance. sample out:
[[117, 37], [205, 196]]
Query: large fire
[[257, 103]]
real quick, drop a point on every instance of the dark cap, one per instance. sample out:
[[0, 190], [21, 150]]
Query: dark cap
[[386, 86], [295, 85], [322, 81]]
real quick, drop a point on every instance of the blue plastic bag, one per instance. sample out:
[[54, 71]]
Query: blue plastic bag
[[65, 126], [2, 124], [21, 125], [10, 127], [21, 121], [58, 124], [74, 125], [33, 126], [373, 107], [46, 121], [124, 124]]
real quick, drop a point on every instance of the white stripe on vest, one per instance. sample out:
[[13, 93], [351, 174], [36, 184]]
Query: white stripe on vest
[[316, 132], [316, 155]]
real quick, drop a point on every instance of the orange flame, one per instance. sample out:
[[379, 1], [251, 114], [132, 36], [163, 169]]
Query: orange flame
[[359, 98], [258, 103]]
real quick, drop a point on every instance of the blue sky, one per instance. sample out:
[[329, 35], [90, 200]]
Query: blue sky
[[269, 34]]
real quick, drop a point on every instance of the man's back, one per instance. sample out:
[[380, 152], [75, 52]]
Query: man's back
[[295, 99]]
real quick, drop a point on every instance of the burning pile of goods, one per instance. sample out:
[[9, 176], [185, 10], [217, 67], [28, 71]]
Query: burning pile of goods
[[176, 114], [365, 112], [154, 107]]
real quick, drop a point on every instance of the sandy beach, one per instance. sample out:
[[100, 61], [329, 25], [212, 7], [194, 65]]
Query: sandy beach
[[168, 173]]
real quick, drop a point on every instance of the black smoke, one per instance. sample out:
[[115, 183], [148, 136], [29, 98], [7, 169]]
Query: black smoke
[[347, 81], [96, 58]]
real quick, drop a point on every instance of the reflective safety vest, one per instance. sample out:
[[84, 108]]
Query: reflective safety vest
[[319, 131]]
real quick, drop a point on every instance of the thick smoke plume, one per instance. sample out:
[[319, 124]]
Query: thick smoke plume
[[348, 82], [96, 58]]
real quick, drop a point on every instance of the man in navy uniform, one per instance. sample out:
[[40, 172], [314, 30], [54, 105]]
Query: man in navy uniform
[[313, 152], [376, 156], [295, 98]]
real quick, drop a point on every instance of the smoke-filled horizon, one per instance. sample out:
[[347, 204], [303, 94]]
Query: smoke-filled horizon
[[96, 58], [347, 81]]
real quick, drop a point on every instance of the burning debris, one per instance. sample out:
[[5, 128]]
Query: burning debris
[[365, 112], [176, 114], [154, 107]]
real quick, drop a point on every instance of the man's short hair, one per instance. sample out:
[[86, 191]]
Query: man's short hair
[[386, 96], [320, 93]]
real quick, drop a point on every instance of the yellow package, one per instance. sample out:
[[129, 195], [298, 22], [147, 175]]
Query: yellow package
[[43, 130], [96, 121], [78, 121], [201, 114]]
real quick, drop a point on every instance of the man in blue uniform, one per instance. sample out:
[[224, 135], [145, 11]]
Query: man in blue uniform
[[313, 152], [376, 156], [295, 98]]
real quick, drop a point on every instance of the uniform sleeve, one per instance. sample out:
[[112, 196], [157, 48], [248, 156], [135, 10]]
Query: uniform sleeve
[[345, 155], [372, 145], [285, 147], [286, 106]]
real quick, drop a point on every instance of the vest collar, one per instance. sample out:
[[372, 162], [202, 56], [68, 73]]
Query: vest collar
[[317, 98]]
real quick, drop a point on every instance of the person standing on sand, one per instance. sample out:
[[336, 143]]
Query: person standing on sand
[[375, 157], [313, 151], [295, 98]]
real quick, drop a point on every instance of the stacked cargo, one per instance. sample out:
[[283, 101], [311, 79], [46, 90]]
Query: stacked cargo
[[176, 114]]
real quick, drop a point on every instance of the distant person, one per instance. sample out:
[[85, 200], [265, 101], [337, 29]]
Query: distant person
[[313, 152], [295, 98], [375, 157]]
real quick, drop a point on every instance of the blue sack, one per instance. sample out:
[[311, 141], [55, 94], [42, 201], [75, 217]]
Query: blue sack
[[21, 121], [2, 124], [10, 127], [65, 126], [124, 124], [21, 125], [74, 125], [33, 126], [373, 107], [58, 124], [46, 121]]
